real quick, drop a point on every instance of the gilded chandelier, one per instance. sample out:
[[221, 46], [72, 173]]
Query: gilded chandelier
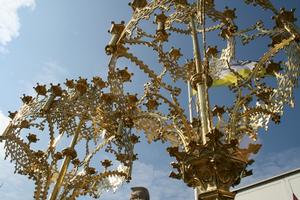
[[102, 117]]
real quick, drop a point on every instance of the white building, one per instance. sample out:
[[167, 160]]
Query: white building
[[281, 187]]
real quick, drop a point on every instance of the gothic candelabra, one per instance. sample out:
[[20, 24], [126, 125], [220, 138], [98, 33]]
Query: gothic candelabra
[[206, 145], [36, 139]]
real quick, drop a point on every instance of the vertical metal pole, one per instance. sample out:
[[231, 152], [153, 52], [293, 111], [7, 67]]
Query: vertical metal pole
[[190, 101], [65, 165], [190, 93], [202, 92], [202, 11]]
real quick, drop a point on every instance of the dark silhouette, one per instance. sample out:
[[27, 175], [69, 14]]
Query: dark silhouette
[[139, 193]]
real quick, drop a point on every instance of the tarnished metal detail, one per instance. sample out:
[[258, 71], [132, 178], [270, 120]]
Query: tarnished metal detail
[[114, 44]]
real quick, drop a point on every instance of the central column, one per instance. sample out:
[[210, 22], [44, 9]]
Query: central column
[[201, 84], [214, 190]]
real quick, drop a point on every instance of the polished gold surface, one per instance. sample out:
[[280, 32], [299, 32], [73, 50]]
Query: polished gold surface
[[57, 115], [108, 115]]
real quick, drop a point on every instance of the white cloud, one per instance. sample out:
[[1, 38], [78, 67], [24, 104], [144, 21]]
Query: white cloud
[[4, 120], [9, 19], [50, 72], [273, 164], [12, 185]]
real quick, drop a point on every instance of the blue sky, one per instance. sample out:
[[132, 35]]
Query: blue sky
[[48, 41]]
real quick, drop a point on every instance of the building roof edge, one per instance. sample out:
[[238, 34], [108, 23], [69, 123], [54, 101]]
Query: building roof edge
[[268, 180]]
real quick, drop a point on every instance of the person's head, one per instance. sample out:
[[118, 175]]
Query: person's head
[[139, 193]]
